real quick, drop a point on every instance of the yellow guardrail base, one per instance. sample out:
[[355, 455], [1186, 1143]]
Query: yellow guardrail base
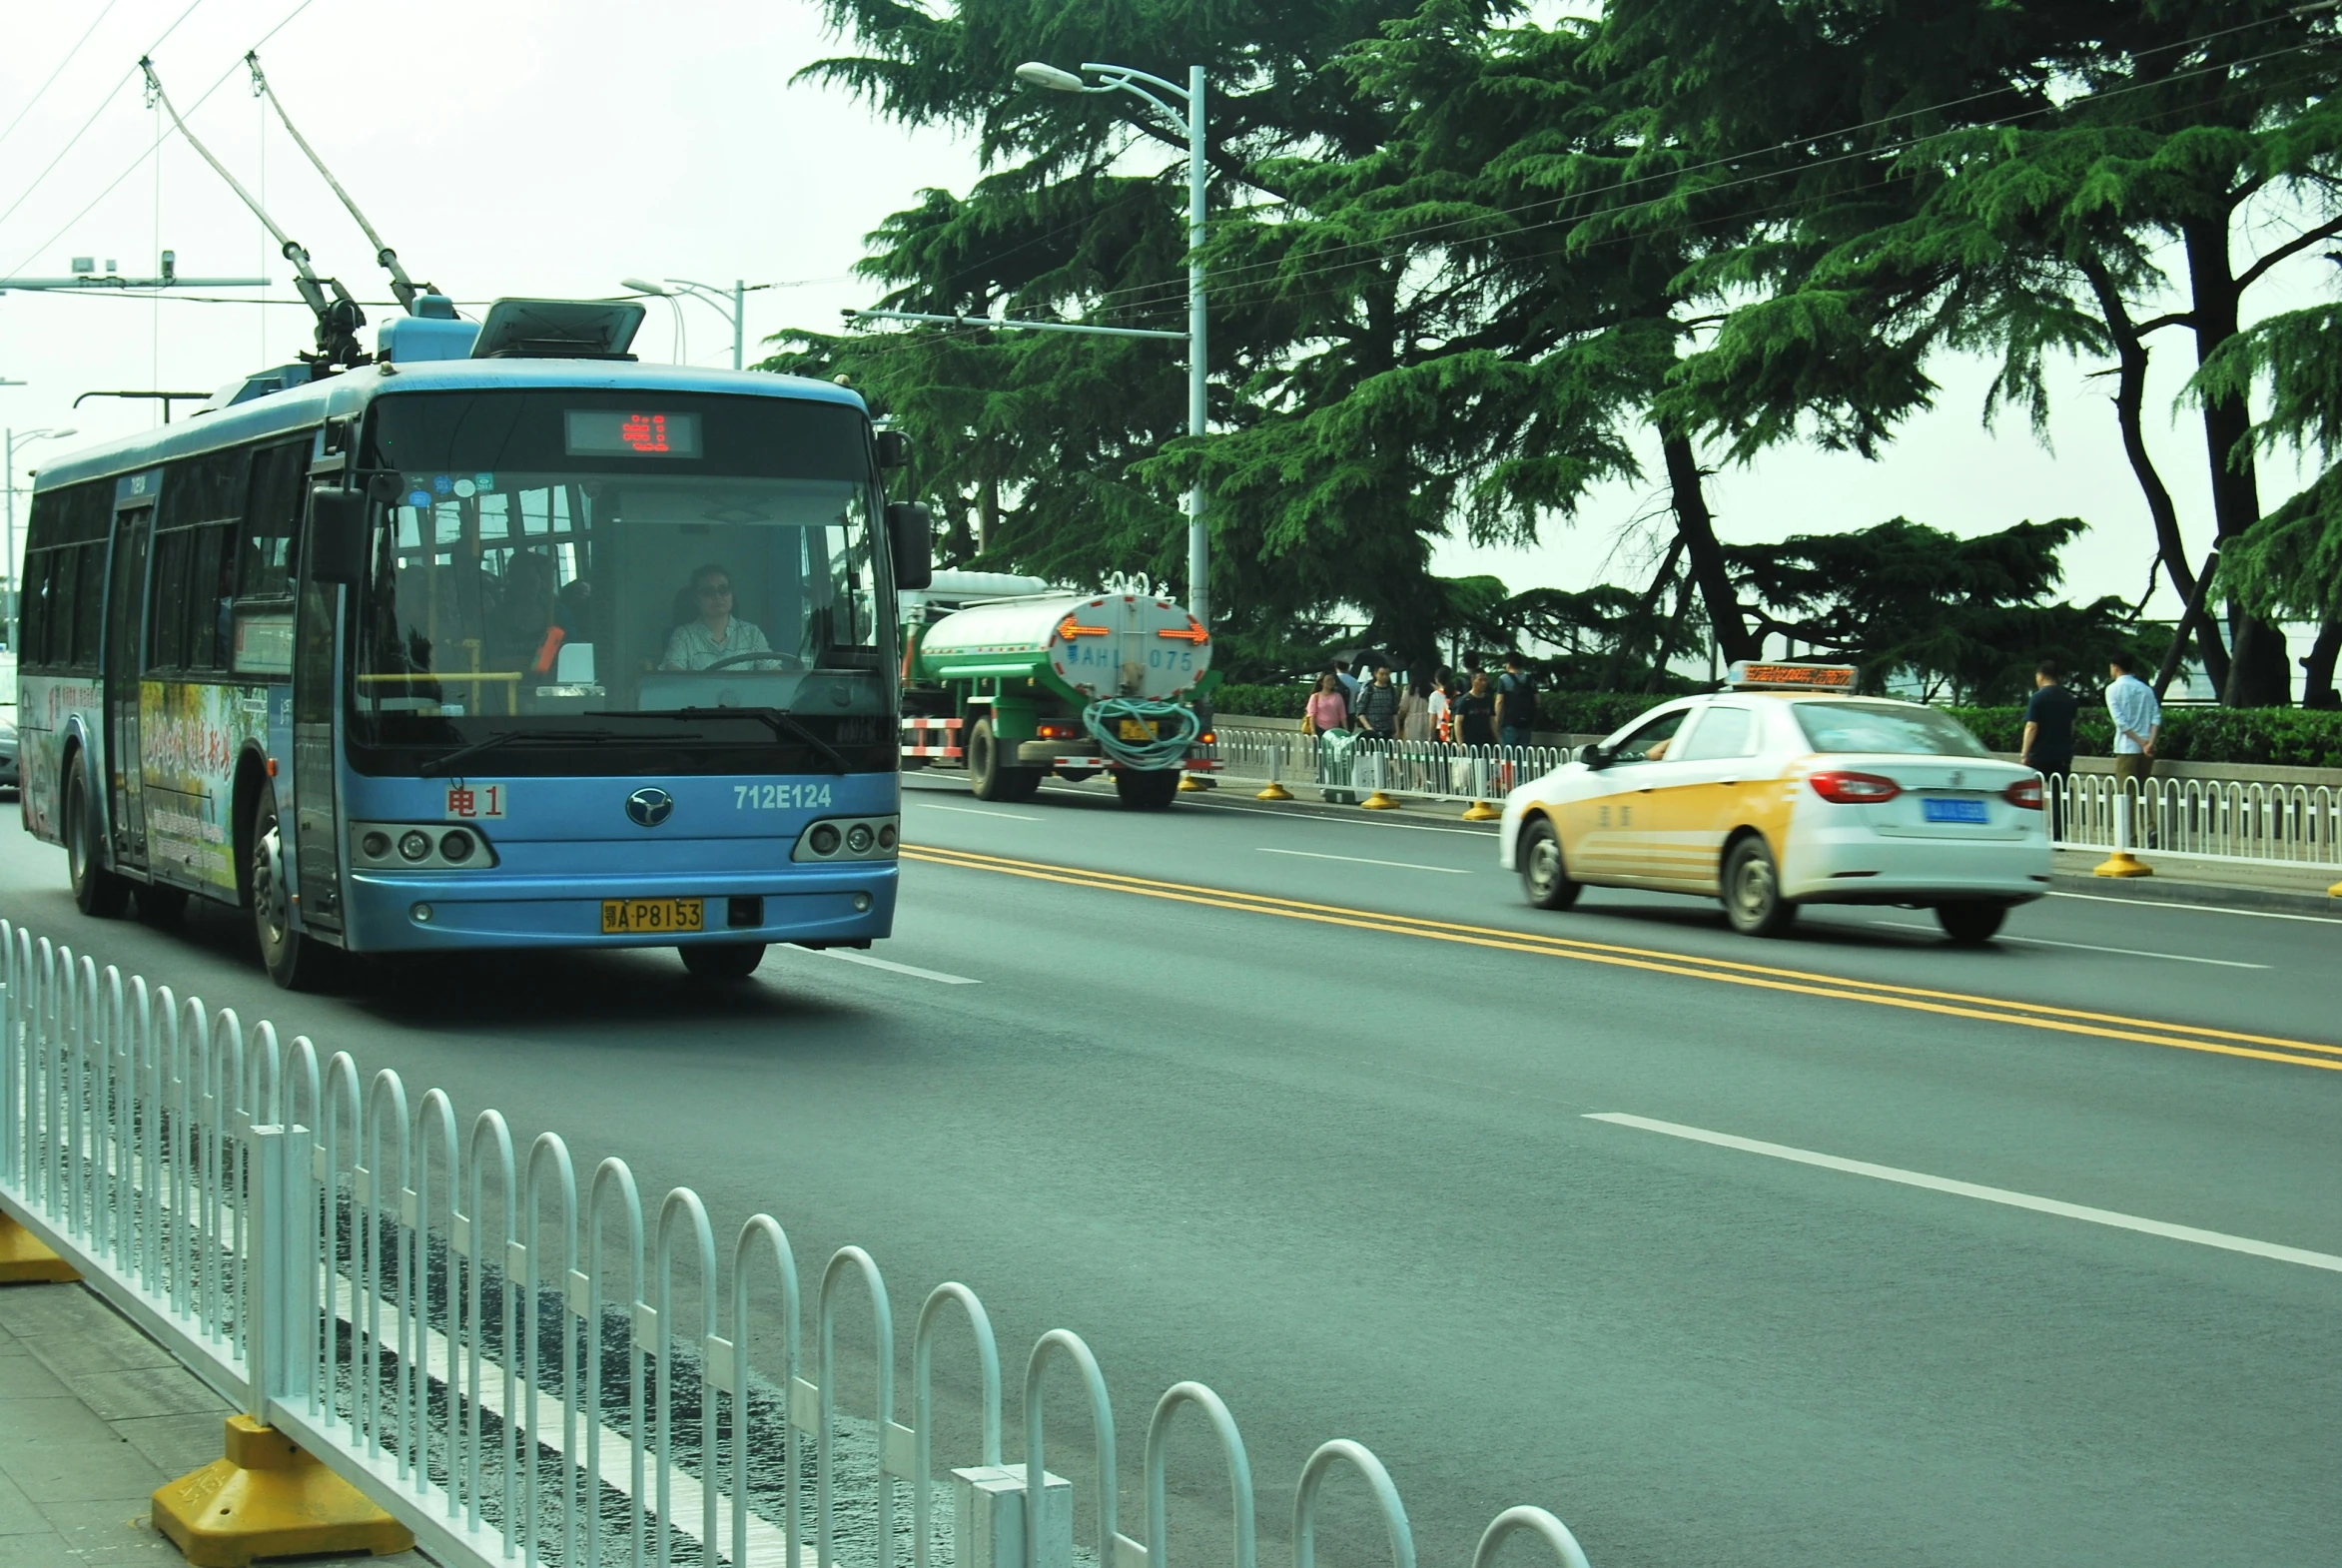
[[1378, 801], [2122, 863], [2335, 890], [267, 1498], [1481, 811], [1275, 791], [25, 1261], [1190, 783]]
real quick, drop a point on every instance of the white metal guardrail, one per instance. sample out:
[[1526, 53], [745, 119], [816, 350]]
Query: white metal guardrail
[[1353, 767], [2200, 819], [520, 1366]]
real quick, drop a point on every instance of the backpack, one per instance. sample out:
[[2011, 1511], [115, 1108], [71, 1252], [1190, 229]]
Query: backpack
[[1520, 691]]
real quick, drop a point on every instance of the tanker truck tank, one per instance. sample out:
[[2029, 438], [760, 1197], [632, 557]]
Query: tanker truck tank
[[1064, 684]]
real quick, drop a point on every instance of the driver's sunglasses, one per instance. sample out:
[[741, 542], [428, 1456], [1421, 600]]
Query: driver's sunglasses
[[717, 590]]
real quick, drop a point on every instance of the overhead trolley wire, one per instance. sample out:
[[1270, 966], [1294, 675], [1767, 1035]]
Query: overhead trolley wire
[[75, 141], [139, 161], [40, 91]]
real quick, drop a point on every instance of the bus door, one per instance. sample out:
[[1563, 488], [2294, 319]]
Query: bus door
[[126, 603], [315, 837]]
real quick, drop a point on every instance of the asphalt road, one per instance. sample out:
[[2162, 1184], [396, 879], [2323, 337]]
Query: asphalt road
[[1847, 1249]]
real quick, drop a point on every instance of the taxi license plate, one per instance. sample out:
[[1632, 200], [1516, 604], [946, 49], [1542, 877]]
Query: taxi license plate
[[1137, 729], [634, 916], [1938, 810]]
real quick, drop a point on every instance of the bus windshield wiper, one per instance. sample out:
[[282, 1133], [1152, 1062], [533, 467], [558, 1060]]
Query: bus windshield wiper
[[447, 764], [778, 720]]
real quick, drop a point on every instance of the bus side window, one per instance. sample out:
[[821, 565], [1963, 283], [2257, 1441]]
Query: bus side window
[[167, 605], [265, 554], [211, 564], [33, 631], [88, 599]]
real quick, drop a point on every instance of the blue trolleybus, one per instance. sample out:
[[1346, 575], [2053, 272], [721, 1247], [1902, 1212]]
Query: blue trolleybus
[[498, 642]]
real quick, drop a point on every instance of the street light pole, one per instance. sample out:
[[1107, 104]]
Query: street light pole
[[9, 581], [1128, 78], [736, 312]]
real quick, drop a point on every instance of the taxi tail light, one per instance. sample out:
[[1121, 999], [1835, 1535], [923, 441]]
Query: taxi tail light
[[2025, 793], [1854, 789]]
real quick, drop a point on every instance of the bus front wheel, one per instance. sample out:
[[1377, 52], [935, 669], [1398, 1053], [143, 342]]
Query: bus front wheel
[[294, 961], [722, 960], [95, 888]]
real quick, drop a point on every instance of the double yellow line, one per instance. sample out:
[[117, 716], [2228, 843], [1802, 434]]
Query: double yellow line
[[1916, 998]]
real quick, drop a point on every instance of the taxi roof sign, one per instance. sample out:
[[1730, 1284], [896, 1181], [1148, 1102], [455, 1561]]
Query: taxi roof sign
[[1755, 675]]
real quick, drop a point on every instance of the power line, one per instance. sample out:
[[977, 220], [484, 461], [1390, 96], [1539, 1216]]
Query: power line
[[83, 131], [60, 71], [158, 142]]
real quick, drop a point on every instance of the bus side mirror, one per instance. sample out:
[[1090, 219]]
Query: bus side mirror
[[337, 535], [911, 534], [894, 448]]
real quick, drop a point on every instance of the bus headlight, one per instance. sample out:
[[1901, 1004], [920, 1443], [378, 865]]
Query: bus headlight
[[414, 844], [419, 846], [849, 838]]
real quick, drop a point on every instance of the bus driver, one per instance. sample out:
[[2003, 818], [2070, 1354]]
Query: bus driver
[[717, 634]]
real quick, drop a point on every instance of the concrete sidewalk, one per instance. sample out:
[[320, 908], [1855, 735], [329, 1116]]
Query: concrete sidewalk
[[94, 1416]]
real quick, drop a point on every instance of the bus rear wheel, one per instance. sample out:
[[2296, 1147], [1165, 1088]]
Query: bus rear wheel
[[294, 961], [1146, 789], [722, 960], [96, 890], [992, 779]]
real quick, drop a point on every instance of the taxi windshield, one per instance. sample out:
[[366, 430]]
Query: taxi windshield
[[1891, 728]]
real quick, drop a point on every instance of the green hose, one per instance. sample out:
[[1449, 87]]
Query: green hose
[[1175, 728]]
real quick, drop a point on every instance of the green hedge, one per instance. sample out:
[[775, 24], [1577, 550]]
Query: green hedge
[[2281, 737]]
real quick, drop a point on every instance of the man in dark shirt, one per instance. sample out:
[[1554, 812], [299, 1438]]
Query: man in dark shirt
[[1376, 708], [2047, 747]]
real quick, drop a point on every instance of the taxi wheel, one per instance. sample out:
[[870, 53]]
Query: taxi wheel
[[1972, 924], [1752, 891], [1545, 878], [722, 960]]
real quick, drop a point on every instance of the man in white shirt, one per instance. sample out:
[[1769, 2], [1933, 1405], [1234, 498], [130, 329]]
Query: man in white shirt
[[2131, 704]]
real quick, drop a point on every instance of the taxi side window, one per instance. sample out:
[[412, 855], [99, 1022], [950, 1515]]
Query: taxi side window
[[1722, 732], [1651, 742]]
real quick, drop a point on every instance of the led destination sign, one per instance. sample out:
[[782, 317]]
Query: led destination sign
[[595, 432]]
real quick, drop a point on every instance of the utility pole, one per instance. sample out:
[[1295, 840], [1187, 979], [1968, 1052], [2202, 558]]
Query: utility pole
[[1189, 120]]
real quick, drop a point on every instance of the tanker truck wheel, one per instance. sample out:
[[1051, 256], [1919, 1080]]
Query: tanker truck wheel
[[1146, 790], [989, 777]]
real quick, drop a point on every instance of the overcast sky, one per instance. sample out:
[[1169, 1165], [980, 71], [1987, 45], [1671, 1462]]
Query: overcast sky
[[552, 148]]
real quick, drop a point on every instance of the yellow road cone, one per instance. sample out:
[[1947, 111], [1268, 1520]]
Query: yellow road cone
[[267, 1498], [24, 1261]]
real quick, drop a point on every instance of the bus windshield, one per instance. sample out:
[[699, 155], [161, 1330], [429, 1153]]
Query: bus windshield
[[550, 554]]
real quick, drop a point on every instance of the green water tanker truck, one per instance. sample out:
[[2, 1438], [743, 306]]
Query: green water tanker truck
[[1015, 681]]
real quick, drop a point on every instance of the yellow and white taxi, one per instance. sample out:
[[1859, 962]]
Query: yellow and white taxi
[[1788, 789]]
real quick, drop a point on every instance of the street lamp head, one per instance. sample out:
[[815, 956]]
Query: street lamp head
[[58, 436], [1032, 73], [640, 286]]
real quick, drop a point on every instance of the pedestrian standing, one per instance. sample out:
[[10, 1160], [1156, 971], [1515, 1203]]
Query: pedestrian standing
[[1476, 712], [1442, 696], [1516, 702], [1414, 709], [2131, 704], [1349, 682], [1328, 708], [1375, 710], [2047, 747]]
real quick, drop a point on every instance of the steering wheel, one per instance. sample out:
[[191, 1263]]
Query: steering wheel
[[786, 661]]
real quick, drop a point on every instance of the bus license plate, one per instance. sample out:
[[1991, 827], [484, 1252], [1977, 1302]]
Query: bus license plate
[[1938, 810], [1137, 729], [634, 916]]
